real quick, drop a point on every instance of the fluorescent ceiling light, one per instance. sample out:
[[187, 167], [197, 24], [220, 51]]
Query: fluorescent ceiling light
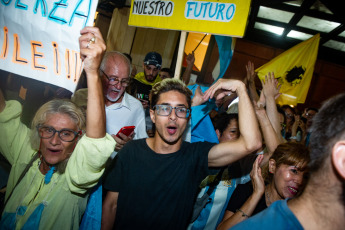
[[275, 15], [335, 45], [342, 34], [294, 3], [299, 35], [269, 28], [317, 24]]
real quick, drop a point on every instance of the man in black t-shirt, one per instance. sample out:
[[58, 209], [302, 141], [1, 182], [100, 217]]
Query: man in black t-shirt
[[154, 182]]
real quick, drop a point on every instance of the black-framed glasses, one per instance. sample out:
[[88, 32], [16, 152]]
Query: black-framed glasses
[[165, 110], [115, 80], [67, 135]]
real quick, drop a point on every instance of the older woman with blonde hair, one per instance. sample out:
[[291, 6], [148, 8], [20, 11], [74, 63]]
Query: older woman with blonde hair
[[54, 164]]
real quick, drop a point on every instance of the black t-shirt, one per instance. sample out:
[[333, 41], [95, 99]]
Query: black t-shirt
[[140, 90], [241, 195], [157, 191]]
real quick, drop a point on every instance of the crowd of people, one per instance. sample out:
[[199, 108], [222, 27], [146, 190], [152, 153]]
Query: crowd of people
[[260, 165]]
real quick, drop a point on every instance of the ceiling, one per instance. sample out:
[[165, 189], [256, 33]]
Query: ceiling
[[283, 24]]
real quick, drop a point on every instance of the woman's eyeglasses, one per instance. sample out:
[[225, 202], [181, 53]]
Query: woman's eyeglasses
[[66, 135]]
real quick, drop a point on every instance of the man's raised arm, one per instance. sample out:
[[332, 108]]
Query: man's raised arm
[[250, 139]]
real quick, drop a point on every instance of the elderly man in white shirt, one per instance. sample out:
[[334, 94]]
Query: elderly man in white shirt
[[121, 108]]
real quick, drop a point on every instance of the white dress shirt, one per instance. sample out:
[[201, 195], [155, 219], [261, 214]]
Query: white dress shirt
[[129, 112]]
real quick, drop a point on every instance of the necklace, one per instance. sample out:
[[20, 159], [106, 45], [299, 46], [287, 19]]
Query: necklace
[[267, 196]]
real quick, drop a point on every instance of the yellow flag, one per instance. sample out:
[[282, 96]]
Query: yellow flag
[[294, 70]]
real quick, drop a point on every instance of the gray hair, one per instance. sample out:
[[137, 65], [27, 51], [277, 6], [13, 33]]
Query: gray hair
[[53, 107], [109, 54]]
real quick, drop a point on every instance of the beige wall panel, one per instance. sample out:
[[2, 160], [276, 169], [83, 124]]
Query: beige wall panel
[[103, 23], [160, 45], [120, 35], [161, 41], [138, 53], [125, 33], [170, 45], [128, 39], [112, 33], [139, 41]]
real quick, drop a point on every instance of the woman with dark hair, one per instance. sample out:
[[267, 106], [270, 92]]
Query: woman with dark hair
[[281, 178], [289, 113]]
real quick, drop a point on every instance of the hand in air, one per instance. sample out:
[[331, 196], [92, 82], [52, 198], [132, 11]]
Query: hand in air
[[190, 59], [250, 77], [257, 179], [198, 97], [270, 86], [223, 87], [92, 48]]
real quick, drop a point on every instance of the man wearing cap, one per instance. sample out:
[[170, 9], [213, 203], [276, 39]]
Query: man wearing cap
[[142, 83]]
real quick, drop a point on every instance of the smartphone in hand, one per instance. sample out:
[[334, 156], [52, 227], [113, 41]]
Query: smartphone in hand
[[125, 130]]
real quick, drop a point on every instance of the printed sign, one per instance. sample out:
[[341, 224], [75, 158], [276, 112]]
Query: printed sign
[[39, 39], [216, 17]]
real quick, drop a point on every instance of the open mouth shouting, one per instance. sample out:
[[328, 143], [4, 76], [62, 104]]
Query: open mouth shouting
[[114, 92], [54, 151], [113, 95], [172, 129]]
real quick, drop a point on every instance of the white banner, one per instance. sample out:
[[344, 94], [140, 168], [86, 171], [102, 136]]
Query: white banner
[[39, 38]]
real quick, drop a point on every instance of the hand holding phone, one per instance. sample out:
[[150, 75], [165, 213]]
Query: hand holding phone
[[127, 130]]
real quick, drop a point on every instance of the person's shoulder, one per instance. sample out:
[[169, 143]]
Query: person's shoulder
[[134, 80], [277, 216], [137, 143], [262, 220], [198, 146], [132, 147], [199, 143]]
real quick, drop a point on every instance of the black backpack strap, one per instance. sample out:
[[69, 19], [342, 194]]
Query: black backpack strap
[[22, 175], [214, 183]]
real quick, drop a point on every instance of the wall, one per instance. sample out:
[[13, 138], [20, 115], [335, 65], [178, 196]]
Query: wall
[[139, 41]]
